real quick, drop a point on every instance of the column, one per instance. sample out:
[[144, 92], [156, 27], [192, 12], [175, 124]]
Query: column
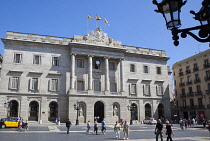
[[72, 71], [122, 75], [107, 74], [90, 73]]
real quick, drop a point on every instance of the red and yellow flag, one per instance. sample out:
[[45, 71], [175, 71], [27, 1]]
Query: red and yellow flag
[[98, 18], [105, 21], [89, 17]]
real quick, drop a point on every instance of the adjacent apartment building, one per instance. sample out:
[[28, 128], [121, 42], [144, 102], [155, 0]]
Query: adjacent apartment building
[[43, 77], [192, 86]]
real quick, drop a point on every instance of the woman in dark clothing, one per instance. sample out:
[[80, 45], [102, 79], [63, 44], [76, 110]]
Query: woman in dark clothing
[[169, 131]]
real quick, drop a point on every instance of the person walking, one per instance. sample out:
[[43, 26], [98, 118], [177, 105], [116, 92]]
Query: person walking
[[95, 127], [209, 127], [204, 123], [159, 130], [169, 131], [126, 130], [88, 127], [181, 123], [20, 124], [189, 122], [26, 126], [117, 130], [103, 127], [68, 125]]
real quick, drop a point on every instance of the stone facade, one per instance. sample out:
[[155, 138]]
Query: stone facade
[[192, 86], [44, 76]]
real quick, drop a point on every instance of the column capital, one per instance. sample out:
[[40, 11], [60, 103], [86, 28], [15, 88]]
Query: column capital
[[89, 56], [107, 57], [73, 54]]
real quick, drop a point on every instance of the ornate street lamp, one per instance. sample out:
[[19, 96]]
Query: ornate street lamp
[[130, 108], [171, 9], [77, 107]]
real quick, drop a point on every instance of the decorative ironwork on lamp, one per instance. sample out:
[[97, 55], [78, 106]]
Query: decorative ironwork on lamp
[[170, 9]]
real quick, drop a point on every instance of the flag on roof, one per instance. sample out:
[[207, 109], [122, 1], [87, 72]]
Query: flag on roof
[[89, 17], [105, 21], [98, 18]]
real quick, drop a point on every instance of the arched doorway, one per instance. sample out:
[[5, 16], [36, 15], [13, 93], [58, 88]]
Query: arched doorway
[[134, 112], [53, 111], [148, 111], [13, 109], [33, 111], [99, 110], [161, 111]]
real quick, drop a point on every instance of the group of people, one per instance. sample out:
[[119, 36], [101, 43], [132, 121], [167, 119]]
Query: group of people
[[159, 130], [22, 125]]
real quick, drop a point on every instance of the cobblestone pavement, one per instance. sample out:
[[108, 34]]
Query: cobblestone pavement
[[138, 132]]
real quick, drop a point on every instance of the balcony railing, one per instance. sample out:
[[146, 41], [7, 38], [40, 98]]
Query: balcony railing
[[190, 94], [200, 106], [182, 84], [206, 65], [188, 71], [207, 78], [198, 80], [181, 73], [188, 82], [195, 69], [208, 92], [182, 95], [192, 107], [198, 93], [184, 107]]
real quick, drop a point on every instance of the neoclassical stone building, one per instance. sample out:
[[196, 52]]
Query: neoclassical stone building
[[44, 76]]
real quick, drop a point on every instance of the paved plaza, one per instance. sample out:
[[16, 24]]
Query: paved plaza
[[138, 132]]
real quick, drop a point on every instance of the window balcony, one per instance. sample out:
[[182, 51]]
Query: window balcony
[[188, 71], [198, 80], [182, 84], [195, 69], [208, 92], [208, 106], [198, 93], [206, 65], [200, 106], [188, 82], [190, 94], [207, 78], [192, 107], [184, 107], [182, 95], [181, 73]]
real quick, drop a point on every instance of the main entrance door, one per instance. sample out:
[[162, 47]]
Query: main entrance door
[[34, 110], [99, 110]]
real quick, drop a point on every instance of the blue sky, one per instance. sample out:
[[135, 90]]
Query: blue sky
[[133, 22]]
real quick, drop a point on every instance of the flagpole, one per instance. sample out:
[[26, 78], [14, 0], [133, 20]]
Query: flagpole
[[87, 26]]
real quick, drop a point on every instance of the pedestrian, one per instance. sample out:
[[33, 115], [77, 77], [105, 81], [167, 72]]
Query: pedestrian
[[159, 130], [68, 125], [26, 126], [169, 131], [189, 122], [126, 130], [117, 130], [88, 127], [193, 121], [20, 124], [196, 122], [204, 123], [103, 127], [185, 123], [181, 124], [209, 127], [95, 127]]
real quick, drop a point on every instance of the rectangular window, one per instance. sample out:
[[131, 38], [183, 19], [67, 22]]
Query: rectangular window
[[97, 86], [208, 74], [200, 102], [158, 70], [113, 87], [37, 59], [191, 103], [146, 89], [183, 91], [132, 68], [34, 84], [80, 85], [55, 61], [54, 85], [80, 63], [159, 90], [146, 69], [190, 90], [209, 87], [17, 58], [189, 79], [111, 66], [184, 103], [198, 88], [14, 83], [132, 88]]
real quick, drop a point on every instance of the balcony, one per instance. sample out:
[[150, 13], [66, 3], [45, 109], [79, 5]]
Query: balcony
[[198, 93], [198, 80], [192, 107], [182, 95], [181, 73], [190, 94], [207, 78], [184, 107], [181, 84], [200, 106], [188, 71], [188, 82], [206, 65], [195, 69], [208, 92]]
